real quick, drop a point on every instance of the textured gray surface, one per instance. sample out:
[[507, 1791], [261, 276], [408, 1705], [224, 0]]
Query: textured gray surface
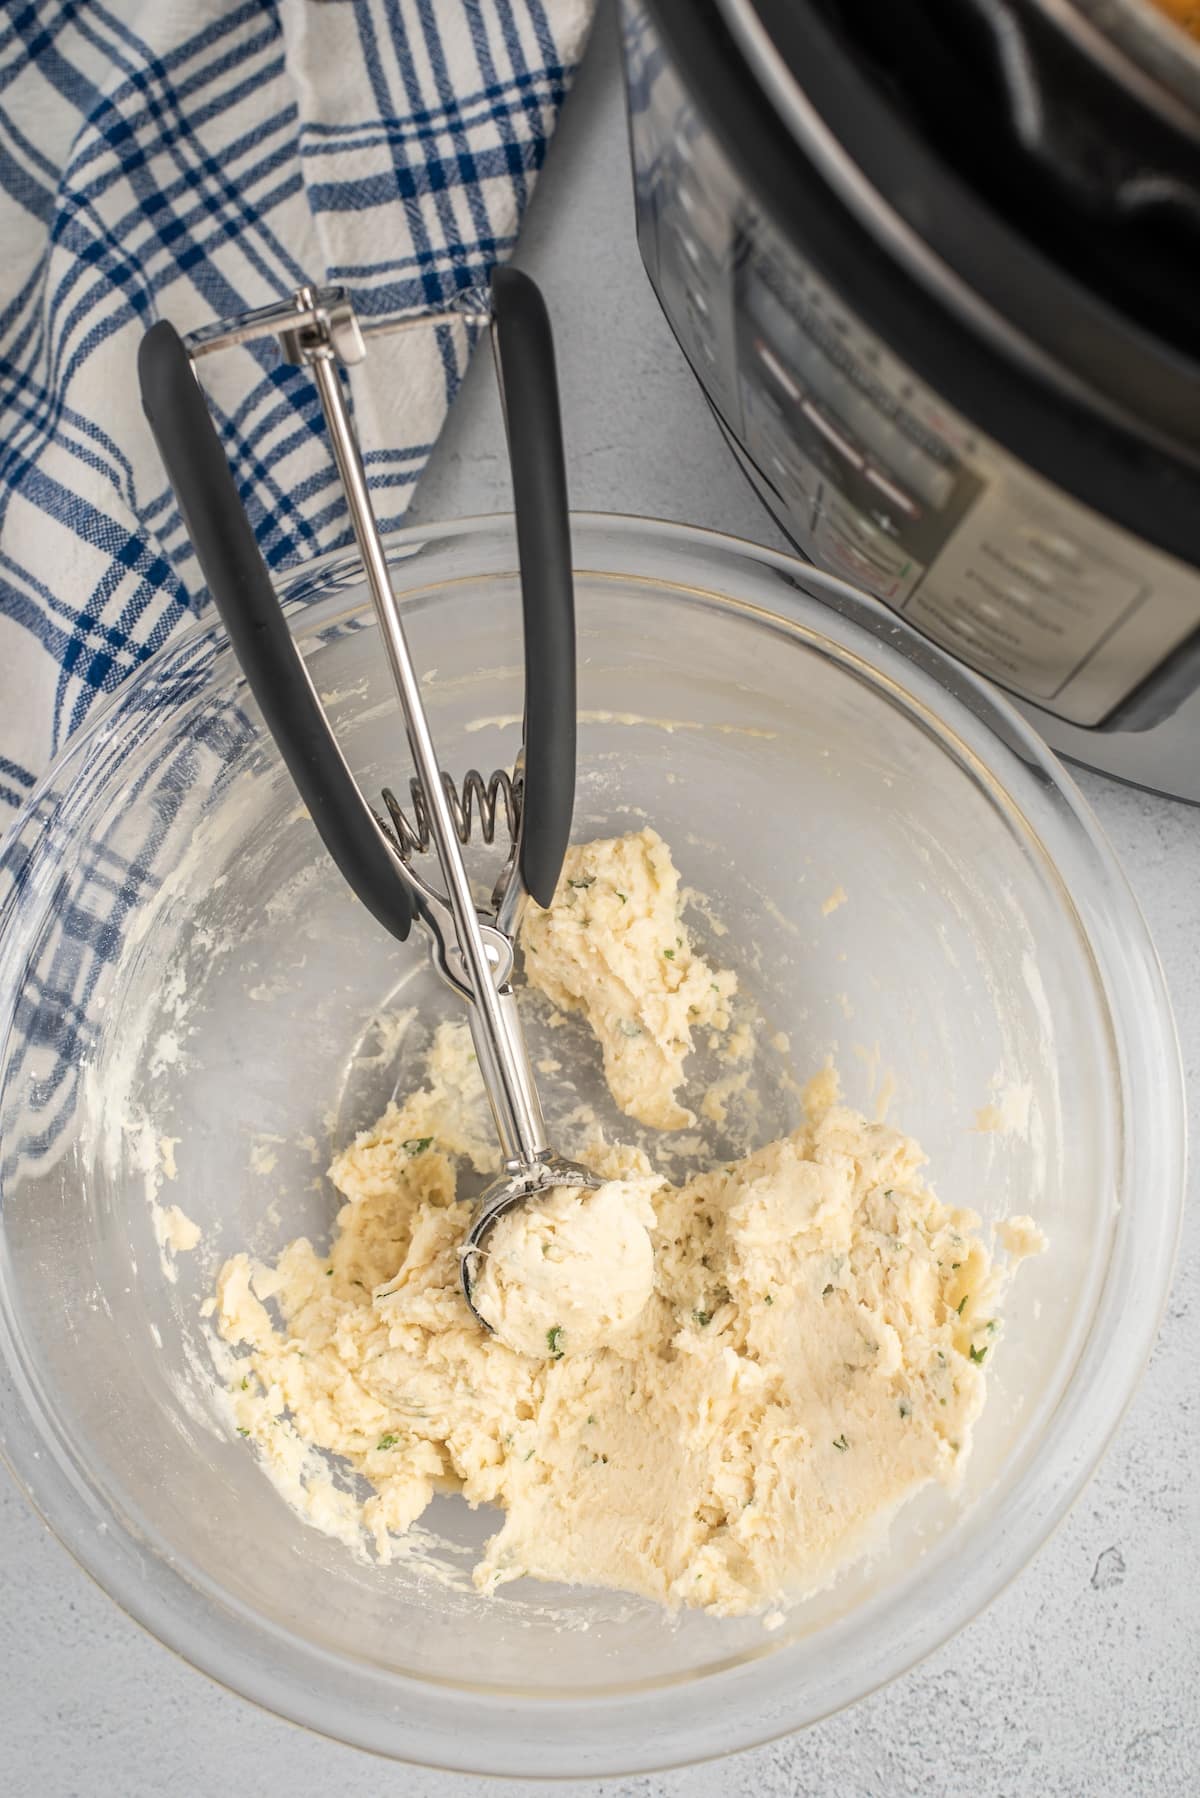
[[1083, 1678]]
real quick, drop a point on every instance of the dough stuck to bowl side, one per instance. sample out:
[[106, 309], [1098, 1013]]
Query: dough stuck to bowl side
[[614, 946]]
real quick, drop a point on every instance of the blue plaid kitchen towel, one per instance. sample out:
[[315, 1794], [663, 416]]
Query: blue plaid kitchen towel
[[189, 159]]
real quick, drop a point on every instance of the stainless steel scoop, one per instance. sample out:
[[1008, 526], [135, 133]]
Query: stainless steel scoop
[[473, 948]]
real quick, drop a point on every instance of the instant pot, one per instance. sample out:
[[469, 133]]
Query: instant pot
[[935, 265]]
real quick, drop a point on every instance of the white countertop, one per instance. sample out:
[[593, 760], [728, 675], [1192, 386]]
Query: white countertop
[[1084, 1677]]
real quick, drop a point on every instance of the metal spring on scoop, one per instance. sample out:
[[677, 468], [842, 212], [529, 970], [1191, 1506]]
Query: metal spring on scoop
[[486, 798]]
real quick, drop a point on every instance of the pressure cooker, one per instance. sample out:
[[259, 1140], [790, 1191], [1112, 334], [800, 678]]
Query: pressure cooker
[[936, 266]]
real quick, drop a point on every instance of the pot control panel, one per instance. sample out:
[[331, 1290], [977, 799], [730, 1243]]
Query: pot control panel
[[878, 480]]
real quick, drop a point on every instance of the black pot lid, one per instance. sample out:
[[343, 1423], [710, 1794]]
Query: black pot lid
[[1098, 398], [1062, 213]]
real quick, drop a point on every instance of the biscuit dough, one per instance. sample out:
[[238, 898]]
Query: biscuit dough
[[813, 1349], [614, 946]]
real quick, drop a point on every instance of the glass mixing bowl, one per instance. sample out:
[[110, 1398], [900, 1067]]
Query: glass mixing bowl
[[202, 1013]]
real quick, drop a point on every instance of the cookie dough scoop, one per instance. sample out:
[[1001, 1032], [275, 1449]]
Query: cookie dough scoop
[[472, 948]]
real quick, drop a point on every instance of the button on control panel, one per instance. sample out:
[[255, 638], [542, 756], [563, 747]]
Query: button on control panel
[[1024, 604]]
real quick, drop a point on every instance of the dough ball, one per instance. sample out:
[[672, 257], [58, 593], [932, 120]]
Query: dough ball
[[565, 1274]]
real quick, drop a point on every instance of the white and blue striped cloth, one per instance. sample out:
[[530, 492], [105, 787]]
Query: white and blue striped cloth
[[189, 159]]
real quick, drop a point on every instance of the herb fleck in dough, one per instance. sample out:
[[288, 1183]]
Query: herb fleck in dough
[[812, 1347]]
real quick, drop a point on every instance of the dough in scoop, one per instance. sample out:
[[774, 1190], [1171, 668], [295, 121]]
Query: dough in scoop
[[568, 1273]]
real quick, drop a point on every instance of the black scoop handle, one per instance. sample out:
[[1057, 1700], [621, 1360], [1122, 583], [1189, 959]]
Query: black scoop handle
[[524, 349], [236, 575]]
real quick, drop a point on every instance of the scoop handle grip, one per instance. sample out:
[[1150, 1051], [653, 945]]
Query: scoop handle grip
[[236, 576], [524, 350]]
